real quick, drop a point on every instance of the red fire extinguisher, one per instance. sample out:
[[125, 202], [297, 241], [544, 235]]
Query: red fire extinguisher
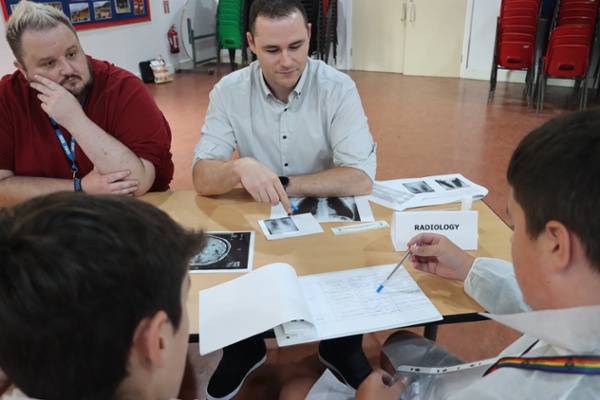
[[173, 40]]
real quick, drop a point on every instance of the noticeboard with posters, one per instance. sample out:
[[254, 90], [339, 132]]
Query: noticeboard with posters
[[94, 14]]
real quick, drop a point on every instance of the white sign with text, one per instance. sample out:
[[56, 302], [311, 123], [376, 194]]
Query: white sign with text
[[458, 226]]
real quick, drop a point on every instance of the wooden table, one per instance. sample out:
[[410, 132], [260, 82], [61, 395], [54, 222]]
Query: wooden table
[[324, 252]]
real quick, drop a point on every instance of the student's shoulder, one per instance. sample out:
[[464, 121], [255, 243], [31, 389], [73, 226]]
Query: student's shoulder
[[14, 91], [13, 81]]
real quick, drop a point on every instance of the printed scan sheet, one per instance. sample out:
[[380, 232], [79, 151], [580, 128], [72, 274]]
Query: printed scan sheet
[[225, 252], [329, 209]]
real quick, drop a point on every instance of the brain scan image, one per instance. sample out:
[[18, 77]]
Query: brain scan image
[[216, 249]]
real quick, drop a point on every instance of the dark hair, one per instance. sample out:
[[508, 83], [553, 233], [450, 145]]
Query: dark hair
[[274, 9], [555, 173], [77, 275]]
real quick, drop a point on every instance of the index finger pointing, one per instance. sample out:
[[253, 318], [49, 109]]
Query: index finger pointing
[[285, 201]]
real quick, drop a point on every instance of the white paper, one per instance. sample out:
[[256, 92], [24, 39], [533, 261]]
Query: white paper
[[292, 226], [346, 302], [458, 226], [400, 194], [310, 308], [329, 209], [248, 305]]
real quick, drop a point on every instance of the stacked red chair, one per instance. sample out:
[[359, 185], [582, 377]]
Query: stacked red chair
[[569, 47], [514, 49]]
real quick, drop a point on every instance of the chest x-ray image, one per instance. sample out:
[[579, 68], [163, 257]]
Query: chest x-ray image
[[328, 209], [281, 225]]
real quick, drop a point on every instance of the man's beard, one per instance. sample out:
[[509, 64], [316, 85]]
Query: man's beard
[[79, 92]]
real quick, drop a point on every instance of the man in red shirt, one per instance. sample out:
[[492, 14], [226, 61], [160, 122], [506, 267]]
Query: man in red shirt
[[69, 122]]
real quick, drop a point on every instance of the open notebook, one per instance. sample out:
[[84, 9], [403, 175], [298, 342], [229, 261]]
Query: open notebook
[[310, 308]]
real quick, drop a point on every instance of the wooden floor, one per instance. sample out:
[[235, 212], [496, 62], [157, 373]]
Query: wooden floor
[[423, 126]]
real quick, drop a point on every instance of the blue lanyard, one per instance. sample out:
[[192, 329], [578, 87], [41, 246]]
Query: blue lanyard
[[69, 152]]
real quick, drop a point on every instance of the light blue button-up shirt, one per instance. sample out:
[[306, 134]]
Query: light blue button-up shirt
[[322, 126]]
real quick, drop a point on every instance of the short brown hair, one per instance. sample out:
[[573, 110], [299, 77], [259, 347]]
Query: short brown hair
[[274, 9]]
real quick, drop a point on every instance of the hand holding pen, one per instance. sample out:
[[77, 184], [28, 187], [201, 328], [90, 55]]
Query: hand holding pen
[[437, 255], [380, 288]]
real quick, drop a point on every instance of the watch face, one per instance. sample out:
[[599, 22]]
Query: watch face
[[285, 181]]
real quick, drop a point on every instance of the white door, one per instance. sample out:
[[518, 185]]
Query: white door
[[434, 37], [378, 35], [414, 37]]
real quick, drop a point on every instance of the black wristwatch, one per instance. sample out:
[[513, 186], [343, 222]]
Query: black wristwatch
[[285, 181]]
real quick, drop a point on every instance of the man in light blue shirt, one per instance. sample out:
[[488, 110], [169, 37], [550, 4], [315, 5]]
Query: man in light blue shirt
[[301, 131], [288, 116]]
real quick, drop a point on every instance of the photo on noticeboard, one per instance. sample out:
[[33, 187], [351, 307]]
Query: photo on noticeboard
[[93, 13]]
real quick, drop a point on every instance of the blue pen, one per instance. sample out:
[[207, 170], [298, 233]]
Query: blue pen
[[380, 288], [294, 208]]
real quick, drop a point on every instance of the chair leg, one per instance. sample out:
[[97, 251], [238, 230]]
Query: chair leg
[[596, 72], [493, 78], [538, 72], [538, 88], [585, 94], [541, 92], [529, 86], [494, 72], [232, 59], [539, 99], [583, 99]]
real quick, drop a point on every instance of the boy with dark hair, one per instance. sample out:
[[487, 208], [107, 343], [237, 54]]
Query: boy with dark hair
[[550, 292], [93, 292]]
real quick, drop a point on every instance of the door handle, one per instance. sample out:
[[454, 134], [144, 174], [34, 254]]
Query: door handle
[[411, 12], [403, 12]]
